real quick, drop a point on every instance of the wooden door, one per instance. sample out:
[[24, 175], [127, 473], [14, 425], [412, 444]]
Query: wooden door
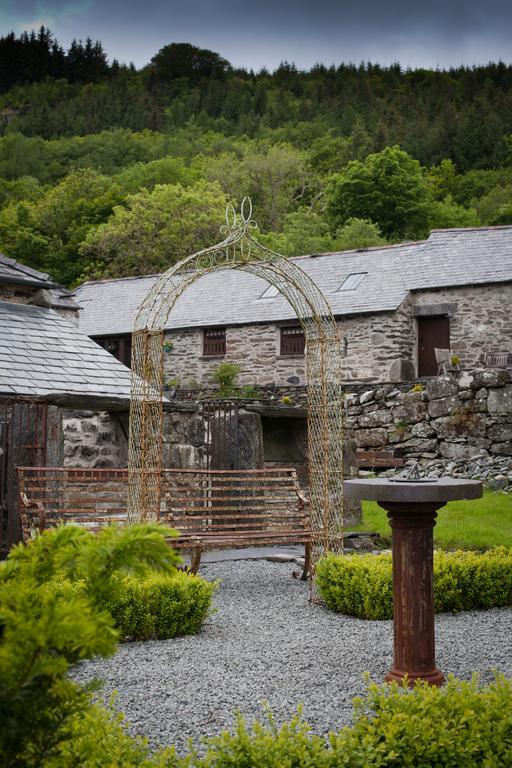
[[432, 332]]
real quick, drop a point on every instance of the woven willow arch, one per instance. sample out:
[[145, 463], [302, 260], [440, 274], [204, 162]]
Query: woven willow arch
[[239, 250]]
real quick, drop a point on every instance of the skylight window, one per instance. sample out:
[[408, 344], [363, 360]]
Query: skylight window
[[353, 281], [270, 292]]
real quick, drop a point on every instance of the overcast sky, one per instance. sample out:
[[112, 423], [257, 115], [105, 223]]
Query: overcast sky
[[265, 32]]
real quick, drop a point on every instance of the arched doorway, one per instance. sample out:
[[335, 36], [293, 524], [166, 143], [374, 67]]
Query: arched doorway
[[240, 250]]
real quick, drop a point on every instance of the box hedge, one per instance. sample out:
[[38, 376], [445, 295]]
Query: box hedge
[[463, 725], [361, 585], [161, 606]]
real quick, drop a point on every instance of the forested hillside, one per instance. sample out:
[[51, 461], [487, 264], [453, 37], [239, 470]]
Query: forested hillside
[[109, 171]]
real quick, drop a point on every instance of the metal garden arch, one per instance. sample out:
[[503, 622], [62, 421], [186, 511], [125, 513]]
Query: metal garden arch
[[240, 250]]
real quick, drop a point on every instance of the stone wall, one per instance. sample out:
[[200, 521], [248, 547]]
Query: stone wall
[[254, 347], [94, 439], [376, 347], [372, 346], [460, 425]]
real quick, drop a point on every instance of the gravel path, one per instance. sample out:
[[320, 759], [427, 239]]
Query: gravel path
[[266, 642]]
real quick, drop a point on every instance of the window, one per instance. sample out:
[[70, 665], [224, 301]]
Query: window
[[353, 281], [118, 346], [270, 292], [292, 341], [214, 342]]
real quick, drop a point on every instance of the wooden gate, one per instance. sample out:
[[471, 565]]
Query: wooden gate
[[433, 332], [222, 434], [22, 443]]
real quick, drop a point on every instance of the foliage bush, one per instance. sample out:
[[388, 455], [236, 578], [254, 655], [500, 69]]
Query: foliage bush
[[55, 596], [98, 739], [225, 375], [361, 585], [463, 725], [161, 606]]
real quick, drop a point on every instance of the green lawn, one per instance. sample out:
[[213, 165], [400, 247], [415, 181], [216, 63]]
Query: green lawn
[[479, 524]]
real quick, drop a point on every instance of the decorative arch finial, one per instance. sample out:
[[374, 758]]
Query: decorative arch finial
[[239, 220], [246, 214]]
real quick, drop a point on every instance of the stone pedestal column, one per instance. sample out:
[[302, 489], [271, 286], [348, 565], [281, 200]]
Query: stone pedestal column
[[412, 508], [413, 592]]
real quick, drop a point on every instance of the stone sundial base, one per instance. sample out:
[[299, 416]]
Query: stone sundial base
[[412, 510]]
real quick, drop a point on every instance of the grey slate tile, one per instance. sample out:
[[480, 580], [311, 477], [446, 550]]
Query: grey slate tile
[[230, 297], [41, 354]]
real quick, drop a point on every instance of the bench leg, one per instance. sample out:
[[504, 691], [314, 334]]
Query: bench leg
[[306, 569], [307, 562], [195, 559]]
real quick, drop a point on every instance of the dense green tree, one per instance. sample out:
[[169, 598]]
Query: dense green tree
[[277, 177], [25, 188], [49, 161], [303, 144], [167, 170], [155, 229], [389, 188], [444, 214], [33, 57], [304, 231], [185, 62], [492, 207], [47, 233], [358, 233], [20, 156]]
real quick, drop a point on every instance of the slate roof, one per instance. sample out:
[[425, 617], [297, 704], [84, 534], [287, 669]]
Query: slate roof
[[49, 294], [41, 354], [452, 257], [10, 268], [468, 256]]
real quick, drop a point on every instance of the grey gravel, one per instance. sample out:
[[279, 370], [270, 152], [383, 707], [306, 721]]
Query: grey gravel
[[267, 643]]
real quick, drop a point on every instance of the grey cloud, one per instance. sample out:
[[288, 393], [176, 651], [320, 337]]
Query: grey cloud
[[267, 32]]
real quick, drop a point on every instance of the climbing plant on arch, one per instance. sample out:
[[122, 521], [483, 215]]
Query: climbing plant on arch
[[240, 250]]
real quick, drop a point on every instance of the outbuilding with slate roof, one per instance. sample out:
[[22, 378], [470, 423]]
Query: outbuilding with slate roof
[[64, 399], [394, 304]]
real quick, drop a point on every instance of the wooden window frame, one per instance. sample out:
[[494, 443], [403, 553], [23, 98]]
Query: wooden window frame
[[214, 342], [293, 341], [119, 347]]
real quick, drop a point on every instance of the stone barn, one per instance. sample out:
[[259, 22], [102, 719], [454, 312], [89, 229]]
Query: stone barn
[[63, 399], [394, 305]]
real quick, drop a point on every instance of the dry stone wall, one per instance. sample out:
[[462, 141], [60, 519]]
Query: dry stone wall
[[94, 439], [456, 425]]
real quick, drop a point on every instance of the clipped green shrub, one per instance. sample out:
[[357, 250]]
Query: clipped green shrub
[[463, 725], [361, 585], [358, 585], [161, 606]]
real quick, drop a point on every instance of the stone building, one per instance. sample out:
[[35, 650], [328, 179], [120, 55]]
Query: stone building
[[63, 399], [394, 306]]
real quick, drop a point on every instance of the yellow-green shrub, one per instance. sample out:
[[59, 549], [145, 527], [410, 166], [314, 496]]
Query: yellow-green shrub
[[463, 725], [161, 606], [361, 585]]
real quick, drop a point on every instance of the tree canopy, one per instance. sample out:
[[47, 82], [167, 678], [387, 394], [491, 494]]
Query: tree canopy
[[109, 171], [387, 188]]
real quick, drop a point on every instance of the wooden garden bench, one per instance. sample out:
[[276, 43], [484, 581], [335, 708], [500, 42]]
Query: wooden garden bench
[[378, 460], [497, 359], [210, 509]]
